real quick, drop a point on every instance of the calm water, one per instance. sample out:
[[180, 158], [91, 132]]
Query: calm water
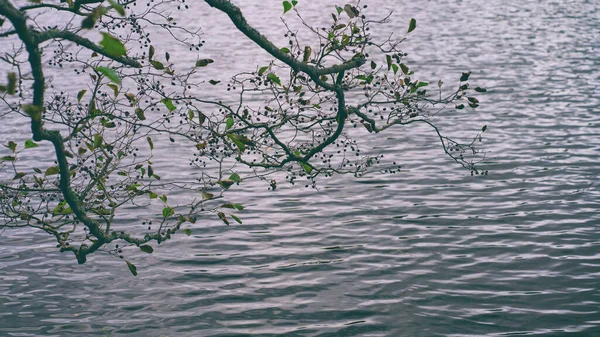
[[429, 252]]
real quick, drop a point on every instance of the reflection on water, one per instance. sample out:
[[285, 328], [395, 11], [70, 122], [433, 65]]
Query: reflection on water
[[430, 252]]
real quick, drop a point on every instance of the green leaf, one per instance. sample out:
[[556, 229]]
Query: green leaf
[[294, 3], [167, 212], [226, 184], [146, 249], [117, 7], [478, 89], [206, 195], [351, 11], [110, 73], [214, 82], [236, 218], [395, 67], [262, 70], [169, 104], [388, 59], [460, 106], [113, 46], [157, 65], [115, 89], [163, 198], [108, 125], [80, 95], [187, 231], [89, 21], [11, 87], [201, 118], [307, 53], [150, 171], [140, 114], [149, 139], [235, 177], [307, 168], [229, 123], [12, 146], [373, 65], [30, 144], [152, 195], [465, 76], [204, 62], [273, 78], [52, 170], [98, 140], [473, 100], [223, 218], [412, 25], [404, 68], [237, 142], [19, 175], [483, 128], [233, 206], [132, 268], [191, 115], [285, 50], [286, 6], [421, 84], [151, 53]]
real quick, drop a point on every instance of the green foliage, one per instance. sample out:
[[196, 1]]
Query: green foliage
[[80, 94], [11, 88], [274, 78], [52, 170], [262, 70], [287, 6], [113, 46], [412, 25], [12, 146], [229, 122], [169, 104], [132, 268], [465, 76], [110, 73], [140, 114], [157, 65], [30, 144], [117, 7], [204, 62], [147, 249]]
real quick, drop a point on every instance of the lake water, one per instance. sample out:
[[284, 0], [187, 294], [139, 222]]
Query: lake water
[[432, 251]]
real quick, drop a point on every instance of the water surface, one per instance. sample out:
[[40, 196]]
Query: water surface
[[432, 251]]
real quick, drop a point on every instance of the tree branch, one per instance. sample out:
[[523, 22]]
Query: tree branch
[[28, 37], [70, 36], [315, 73]]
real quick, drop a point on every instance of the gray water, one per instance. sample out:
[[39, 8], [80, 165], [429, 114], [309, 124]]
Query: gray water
[[431, 251]]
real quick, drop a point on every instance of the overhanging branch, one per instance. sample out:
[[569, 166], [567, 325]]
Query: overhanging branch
[[315, 73], [70, 36]]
